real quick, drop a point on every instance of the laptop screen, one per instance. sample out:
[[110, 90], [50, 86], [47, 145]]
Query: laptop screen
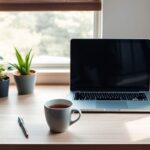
[[110, 64]]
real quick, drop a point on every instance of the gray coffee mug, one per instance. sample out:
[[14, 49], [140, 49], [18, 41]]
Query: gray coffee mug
[[59, 118]]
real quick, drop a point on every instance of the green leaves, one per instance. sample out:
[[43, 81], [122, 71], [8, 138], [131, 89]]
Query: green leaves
[[2, 72], [24, 64], [1, 68]]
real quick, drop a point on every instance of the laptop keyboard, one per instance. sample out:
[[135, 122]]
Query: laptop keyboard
[[110, 96]]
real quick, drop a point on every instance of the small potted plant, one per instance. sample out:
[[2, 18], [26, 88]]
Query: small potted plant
[[4, 81], [25, 78]]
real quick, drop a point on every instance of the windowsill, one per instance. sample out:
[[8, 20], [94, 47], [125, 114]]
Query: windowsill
[[53, 70], [49, 76]]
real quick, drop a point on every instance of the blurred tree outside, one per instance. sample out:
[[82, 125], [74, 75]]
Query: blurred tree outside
[[47, 33]]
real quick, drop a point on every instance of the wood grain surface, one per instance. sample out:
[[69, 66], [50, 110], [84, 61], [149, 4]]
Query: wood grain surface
[[102, 130]]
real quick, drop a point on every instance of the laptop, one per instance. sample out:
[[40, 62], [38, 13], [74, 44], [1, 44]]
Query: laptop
[[110, 75]]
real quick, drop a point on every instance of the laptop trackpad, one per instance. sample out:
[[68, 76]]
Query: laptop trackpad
[[85, 104], [107, 104]]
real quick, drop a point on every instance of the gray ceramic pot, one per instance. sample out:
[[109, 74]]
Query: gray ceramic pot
[[4, 87], [25, 83]]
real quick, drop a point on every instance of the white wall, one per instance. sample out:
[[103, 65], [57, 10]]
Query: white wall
[[126, 19]]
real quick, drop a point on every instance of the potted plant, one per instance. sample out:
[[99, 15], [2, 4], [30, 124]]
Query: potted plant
[[25, 78], [4, 81]]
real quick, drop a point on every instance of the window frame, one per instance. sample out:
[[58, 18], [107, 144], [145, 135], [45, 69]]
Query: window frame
[[49, 5], [59, 74], [59, 66], [54, 73]]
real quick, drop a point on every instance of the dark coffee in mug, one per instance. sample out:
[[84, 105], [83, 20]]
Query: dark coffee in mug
[[58, 114], [57, 106]]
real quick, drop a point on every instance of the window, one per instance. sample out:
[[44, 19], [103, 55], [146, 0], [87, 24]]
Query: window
[[47, 33], [46, 27]]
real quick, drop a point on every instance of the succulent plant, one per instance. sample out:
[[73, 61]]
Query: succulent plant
[[24, 64]]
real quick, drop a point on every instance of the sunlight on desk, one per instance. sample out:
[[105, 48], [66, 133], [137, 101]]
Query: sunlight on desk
[[139, 129], [105, 130]]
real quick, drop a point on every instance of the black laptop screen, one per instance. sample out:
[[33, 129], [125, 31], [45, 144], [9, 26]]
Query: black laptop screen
[[110, 64]]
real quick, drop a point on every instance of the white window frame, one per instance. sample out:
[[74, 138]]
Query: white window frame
[[60, 73]]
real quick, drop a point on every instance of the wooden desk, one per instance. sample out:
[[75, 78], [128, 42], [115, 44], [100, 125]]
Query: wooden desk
[[99, 131]]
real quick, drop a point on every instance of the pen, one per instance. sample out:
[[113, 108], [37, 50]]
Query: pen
[[22, 125]]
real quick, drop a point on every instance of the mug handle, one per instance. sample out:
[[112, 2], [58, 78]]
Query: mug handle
[[79, 112]]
